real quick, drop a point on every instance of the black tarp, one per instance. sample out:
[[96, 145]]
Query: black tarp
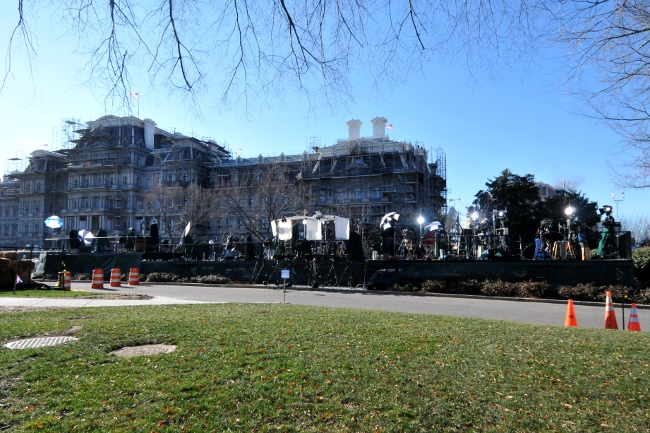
[[51, 263]]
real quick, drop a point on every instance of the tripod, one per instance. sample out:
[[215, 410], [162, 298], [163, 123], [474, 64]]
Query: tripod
[[607, 248]]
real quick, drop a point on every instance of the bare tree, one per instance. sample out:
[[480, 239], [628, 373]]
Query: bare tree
[[196, 208], [258, 195], [256, 51], [162, 201], [639, 226], [608, 63], [248, 48], [176, 206]]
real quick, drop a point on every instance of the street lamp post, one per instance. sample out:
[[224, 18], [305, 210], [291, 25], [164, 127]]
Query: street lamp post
[[420, 221]]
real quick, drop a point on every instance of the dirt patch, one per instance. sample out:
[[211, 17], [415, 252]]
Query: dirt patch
[[16, 309], [120, 296], [144, 350]]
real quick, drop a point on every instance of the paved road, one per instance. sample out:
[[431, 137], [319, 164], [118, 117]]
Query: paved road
[[517, 311]]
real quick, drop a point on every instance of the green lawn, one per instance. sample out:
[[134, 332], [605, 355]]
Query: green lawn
[[278, 367]]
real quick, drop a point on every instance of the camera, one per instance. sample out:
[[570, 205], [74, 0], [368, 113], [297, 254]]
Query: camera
[[607, 210]]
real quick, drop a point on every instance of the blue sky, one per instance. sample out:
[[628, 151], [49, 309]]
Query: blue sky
[[523, 121]]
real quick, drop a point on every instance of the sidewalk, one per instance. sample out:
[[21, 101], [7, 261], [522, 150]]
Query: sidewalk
[[78, 303]]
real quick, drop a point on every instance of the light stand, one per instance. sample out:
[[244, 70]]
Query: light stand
[[420, 221], [569, 217], [615, 200], [474, 217], [325, 251]]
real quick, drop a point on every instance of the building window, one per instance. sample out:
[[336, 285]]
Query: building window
[[376, 193], [124, 180]]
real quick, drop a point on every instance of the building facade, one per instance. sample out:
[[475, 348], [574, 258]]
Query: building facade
[[118, 173]]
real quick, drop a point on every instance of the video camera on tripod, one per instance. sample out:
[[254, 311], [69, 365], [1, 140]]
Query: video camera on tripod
[[609, 221]]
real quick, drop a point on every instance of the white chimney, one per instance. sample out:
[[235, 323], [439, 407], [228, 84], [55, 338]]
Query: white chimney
[[354, 128], [379, 127], [149, 126]]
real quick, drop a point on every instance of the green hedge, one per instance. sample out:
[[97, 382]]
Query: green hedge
[[168, 277], [641, 260], [534, 289]]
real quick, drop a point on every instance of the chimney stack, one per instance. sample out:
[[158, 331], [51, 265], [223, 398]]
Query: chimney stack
[[379, 127], [149, 126], [354, 128]]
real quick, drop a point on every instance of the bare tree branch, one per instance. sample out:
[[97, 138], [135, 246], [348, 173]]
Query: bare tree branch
[[21, 35]]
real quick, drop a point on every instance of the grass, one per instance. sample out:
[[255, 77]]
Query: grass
[[278, 367]]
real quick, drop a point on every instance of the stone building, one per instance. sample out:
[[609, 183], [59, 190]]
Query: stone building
[[113, 169]]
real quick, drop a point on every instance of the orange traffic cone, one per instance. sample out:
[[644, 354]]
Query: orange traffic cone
[[570, 319], [633, 324], [610, 315]]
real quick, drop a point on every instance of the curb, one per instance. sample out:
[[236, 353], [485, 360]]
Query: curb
[[387, 292]]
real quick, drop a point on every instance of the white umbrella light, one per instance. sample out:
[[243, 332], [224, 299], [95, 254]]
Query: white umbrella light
[[54, 222], [86, 236], [388, 220], [433, 226]]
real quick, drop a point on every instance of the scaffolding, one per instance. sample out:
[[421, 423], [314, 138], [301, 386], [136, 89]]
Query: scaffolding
[[68, 132], [373, 176]]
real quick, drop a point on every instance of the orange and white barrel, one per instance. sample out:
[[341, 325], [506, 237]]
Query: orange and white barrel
[[98, 279], [134, 277], [116, 277], [67, 280]]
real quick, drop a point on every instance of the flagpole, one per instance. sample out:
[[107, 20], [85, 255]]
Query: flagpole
[[136, 96]]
